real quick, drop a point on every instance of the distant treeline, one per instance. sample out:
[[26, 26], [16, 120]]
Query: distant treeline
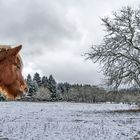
[[47, 89]]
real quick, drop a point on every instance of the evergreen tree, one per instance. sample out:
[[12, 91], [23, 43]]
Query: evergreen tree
[[35, 86], [52, 85], [67, 86], [63, 87], [29, 78], [29, 83], [44, 81], [37, 78], [32, 85]]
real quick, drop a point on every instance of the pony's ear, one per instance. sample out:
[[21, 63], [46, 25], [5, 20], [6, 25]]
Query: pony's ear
[[15, 51]]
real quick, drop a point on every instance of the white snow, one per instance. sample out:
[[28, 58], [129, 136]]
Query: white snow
[[67, 121]]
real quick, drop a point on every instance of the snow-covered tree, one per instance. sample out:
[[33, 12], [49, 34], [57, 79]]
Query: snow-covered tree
[[119, 51], [37, 78], [52, 85], [43, 94], [44, 81], [32, 85], [67, 86], [63, 87], [29, 79]]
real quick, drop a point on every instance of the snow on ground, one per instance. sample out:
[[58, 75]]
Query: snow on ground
[[68, 121]]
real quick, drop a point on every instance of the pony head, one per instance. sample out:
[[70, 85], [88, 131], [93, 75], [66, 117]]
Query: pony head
[[12, 83]]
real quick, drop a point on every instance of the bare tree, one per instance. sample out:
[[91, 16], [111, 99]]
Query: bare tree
[[119, 52]]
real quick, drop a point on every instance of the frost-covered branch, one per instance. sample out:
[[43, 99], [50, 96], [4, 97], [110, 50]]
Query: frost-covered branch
[[119, 51]]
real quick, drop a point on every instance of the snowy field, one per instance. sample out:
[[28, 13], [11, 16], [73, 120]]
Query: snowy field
[[68, 121]]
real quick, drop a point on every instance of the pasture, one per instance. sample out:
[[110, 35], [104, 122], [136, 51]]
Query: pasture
[[68, 121]]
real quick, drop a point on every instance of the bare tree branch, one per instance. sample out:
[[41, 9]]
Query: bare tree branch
[[119, 51]]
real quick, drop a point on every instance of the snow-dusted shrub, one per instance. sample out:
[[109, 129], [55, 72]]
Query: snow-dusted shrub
[[43, 94]]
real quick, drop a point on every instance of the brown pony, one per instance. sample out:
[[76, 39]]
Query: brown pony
[[12, 83]]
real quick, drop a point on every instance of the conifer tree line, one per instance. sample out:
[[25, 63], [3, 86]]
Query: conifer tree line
[[36, 82], [41, 86], [47, 89]]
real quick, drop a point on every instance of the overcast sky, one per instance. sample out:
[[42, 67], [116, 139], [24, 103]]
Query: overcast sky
[[55, 34]]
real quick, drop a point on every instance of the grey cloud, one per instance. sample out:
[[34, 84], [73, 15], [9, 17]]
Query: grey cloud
[[68, 68], [35, 22]]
